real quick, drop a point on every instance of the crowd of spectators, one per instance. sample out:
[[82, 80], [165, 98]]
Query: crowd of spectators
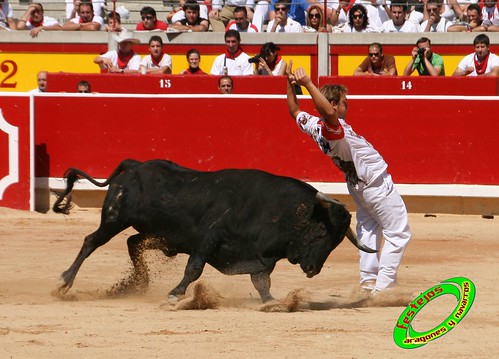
[[271, 16]]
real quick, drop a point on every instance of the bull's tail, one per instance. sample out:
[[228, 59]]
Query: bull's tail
[[63, 203]]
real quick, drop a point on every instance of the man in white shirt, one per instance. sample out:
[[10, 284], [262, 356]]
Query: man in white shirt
[[234, 61], [41, 81], [33, 19], [240, 22], [481, 62], [221, 15], [398, 22], [281, 21], [435, 22], [85, 21]]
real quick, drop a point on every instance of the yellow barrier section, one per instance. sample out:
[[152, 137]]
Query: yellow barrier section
[[348, 64], [19, 70]]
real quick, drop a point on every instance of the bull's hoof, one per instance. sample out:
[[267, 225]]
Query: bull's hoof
[[172, 299]]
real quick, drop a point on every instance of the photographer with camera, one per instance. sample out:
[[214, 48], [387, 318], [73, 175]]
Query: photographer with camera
[[269, 62], [424, 60]]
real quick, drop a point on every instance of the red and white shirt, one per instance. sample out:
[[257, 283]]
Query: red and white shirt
[[232, 25], [350, 152]]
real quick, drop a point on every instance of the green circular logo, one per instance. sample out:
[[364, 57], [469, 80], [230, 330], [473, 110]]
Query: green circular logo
[[464, 291]]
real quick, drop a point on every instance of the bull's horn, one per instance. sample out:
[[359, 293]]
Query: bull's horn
[[326, 201], [353, 238]]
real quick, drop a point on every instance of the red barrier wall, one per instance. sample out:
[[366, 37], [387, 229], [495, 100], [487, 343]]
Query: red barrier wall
[[164, 84], [433, 141], [16, 180], [416, 85]]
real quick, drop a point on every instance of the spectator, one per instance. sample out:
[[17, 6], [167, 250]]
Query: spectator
[[450, 10], [474, 23], [241, 22], [434, 23], [281, 21], [225, 85], [358, 21], [269, 61], [481, 62], [178, 13], [191, 21], [41, 81], [377, 12], [113, 22], [72, 7], [123, 60], [376, 63], [221, 15], [315, 20], [490, 13], [424, 60], [6, 16], [149, 20], [193, 58], [234, 61], [35, 21], [338, 11], [86, 20], [156, 62], [398, 22], [83, 87]]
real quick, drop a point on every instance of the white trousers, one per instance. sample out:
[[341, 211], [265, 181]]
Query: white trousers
[[381, 212]]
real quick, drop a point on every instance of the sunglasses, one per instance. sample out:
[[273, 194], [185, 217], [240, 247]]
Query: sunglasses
[[432, 10], [147, 17], [373, 54], [317, 16], [83, 91], [361, 16], [281, 8]]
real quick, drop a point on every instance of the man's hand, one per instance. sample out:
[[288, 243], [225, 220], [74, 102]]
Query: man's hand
[[289, 73]]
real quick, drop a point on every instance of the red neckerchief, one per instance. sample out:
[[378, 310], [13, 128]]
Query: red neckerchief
[[157, 62], [481, 66], [233, 57], [83, 22], [34, 23], [350, 4], [124, 59], [272, 65]]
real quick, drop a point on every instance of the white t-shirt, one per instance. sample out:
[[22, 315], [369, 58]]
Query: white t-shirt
[[47, 21], [407, 26], [291, 26], [491, 14], [133, 64], [166, 60], [469, 61], [235, 67], [232, 25], [441, 26], [96, 4], [96, 18], [351, 153], [5, 12]]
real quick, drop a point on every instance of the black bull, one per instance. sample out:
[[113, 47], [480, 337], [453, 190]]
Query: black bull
[[238, 221]]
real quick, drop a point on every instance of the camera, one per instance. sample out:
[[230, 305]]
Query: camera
[[421, 51], [255, 59]]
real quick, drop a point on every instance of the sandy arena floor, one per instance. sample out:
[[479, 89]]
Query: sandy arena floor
[[329, 322]]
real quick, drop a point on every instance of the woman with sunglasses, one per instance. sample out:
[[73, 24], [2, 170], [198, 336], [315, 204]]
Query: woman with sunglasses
[[315, 20], [358, 20]]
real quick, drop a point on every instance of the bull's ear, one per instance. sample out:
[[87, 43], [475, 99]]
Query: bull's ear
[[326, 201]]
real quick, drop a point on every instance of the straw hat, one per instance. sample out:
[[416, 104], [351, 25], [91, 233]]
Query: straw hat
[[125, 35]]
